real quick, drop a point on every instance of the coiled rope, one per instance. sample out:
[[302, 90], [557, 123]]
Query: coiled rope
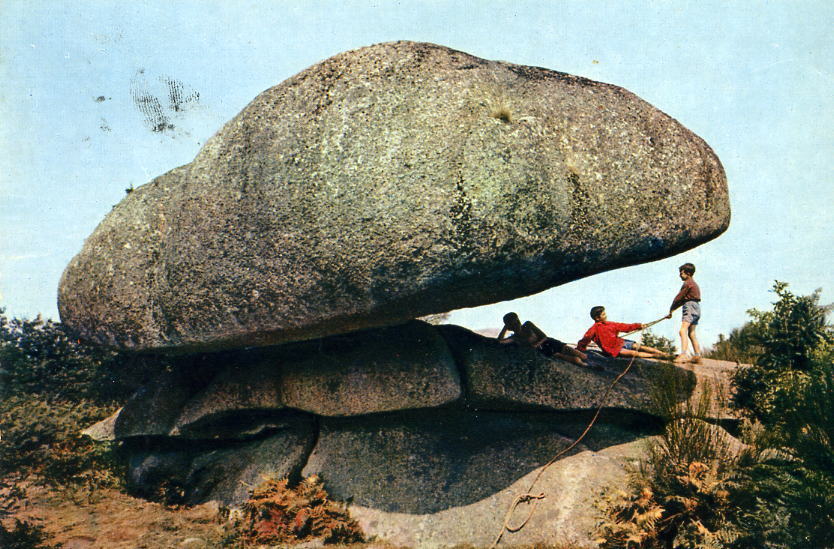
[[535, 498]]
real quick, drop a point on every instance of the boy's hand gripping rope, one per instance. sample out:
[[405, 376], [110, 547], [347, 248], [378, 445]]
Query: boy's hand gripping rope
[[535, 498]]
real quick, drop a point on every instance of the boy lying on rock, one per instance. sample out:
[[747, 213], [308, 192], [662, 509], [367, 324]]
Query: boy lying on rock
[[529, 335], [606, 335]]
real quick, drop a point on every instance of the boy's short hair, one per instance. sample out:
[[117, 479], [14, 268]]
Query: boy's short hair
[[510, 317], [688, 268], [596, 311]]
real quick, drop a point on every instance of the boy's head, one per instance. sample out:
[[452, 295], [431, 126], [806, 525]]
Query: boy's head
[[512, 321], [687, 268], [597, 312]]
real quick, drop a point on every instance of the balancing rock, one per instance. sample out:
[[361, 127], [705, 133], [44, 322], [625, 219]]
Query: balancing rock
[[384, 184]]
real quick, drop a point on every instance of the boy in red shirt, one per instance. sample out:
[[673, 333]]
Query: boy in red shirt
[[606, 335]]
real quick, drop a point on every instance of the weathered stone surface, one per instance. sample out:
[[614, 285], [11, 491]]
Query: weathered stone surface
[[504, 377], [249, 384], [372, 371], [225, 472], [387, 183], [220, 395], [206, 396], [104, 430], [427, 461], [715, 377], [565, 515]]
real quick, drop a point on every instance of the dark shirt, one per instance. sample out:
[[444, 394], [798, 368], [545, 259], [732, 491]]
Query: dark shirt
[[689, 292]]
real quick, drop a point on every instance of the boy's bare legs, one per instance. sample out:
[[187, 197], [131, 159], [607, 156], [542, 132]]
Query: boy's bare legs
[[644, 352], [696, 347], [684, 333], [574, 352], [572, 355], [573, 359]]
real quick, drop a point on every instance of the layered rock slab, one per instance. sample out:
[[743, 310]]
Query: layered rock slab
[[565, 515], [192, 472], [372, 371], [506, 377], [386, 183], [426, 461], [412, 366], [215, 395]]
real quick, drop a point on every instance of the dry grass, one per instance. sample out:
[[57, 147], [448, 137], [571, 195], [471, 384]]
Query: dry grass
[[118, 521]]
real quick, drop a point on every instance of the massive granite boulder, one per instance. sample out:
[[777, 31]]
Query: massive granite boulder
[[387, 183]]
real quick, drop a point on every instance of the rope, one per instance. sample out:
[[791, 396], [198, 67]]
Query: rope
[[645, 326], [535, 498]]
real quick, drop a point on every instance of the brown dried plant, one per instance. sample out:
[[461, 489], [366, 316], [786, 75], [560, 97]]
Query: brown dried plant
[[278, 513]]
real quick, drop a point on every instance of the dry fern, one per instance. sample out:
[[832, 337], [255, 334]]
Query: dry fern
[[278, 513]]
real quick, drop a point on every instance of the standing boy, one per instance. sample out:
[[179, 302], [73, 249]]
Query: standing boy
[[689, 298], [528, 334], [606, 335]]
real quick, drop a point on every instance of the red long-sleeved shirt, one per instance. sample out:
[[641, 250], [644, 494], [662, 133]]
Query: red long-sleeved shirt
[[605, 334]]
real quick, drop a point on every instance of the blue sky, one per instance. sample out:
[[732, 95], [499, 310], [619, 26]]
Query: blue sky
[[754, 79]]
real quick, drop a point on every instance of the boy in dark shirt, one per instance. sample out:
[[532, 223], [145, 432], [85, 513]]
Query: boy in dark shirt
[[689, 299], [529, 335], [606, 335]]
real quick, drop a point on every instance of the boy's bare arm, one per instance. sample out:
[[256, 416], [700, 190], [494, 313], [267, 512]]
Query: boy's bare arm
[[540, 336]]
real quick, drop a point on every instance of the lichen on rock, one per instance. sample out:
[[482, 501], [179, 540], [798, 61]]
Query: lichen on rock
[[384, 184]]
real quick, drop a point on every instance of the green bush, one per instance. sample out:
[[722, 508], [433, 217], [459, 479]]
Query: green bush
[[42, 439], [742, 345], [51, 387], [792, 340], [39, 357], [659, 342], [785, 499]]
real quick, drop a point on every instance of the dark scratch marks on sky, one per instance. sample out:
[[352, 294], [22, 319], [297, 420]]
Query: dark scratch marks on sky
[[160, 101]]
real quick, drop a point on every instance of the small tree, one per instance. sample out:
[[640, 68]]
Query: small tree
[[790, 339], [786, 498], [658, 342], [742, 345]]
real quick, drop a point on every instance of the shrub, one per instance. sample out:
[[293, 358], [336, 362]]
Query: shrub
[[659, 342], [42, 439], [679, 494], [278, 513], [792, 340], [40, 357], [786, 498], [742, 345]]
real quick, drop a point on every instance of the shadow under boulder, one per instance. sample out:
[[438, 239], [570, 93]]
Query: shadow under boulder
[[424, 462], [196, 471]]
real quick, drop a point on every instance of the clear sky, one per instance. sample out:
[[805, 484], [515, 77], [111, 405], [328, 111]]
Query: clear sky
[[79, 125]]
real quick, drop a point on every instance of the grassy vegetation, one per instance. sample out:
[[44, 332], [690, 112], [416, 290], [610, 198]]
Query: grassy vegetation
[[52, 386], [697, 488]]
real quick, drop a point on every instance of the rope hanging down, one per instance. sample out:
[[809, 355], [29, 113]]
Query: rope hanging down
[[535, 498]]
